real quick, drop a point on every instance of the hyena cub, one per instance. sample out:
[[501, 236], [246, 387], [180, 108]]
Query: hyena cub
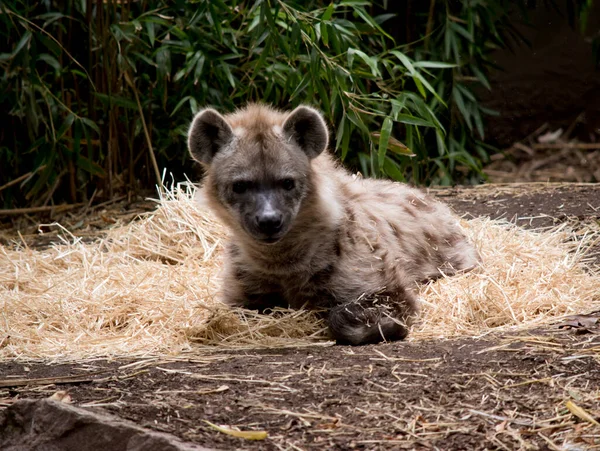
[[307, 233]]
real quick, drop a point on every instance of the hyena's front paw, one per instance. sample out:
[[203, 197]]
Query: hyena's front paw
[[364, 322], [263, 302]]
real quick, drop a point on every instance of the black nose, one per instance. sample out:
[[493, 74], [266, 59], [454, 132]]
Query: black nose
[[270, 223]]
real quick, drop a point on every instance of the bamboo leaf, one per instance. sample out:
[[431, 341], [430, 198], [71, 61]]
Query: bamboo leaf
[[481, 77], [392, 169], [581, 413], [248, 435], [216, 22], [478, 123], [394, 146], [275, 32], [420, 87], [325, 34], [66, 125], [90, 124], [386, 131], [339, 135], [406, 62], [50, 60], [324, 97], [466, 92], [460, 103], [151, 30], [413, 120], [462, 31], [346, 140], [228, 73], [362, 13], [328, 12], [364, 160], [180, 104], [116, 100], [433, 65], [429, 87], [370, 61], [24, 41], [90, 166]]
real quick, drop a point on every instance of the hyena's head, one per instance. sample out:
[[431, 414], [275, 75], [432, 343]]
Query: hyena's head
[[258, 165]]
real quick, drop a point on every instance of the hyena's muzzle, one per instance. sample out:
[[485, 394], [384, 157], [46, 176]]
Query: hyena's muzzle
[[267, 217]]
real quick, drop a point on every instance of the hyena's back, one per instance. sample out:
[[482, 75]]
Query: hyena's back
[[423, 235], [394, 237]]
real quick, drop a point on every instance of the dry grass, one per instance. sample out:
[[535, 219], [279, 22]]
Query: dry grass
[[149, 288], [527, 279]]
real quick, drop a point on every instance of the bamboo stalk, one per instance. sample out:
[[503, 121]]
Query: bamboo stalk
[[21, 178], [146, 133], [50, 380], [429, 28], [586, 146], [28, 210], [54, 186]]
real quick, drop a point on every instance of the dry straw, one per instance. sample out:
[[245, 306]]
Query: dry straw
[[149, 288]]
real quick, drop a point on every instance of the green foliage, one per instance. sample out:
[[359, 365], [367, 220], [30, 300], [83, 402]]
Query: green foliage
[[465, 34], [93, 92]]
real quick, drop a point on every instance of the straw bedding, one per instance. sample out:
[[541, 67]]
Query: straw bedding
[[150, 288]]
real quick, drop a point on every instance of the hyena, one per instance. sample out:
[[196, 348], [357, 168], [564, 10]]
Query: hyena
[[306, 233]]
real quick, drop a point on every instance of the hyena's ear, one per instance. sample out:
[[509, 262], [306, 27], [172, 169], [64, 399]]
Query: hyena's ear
[[307, 128], [208, 133]]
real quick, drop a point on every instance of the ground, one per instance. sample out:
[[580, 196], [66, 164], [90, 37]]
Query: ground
[[530, 390]]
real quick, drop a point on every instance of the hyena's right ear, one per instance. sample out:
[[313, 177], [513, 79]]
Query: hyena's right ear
[[208, 133]]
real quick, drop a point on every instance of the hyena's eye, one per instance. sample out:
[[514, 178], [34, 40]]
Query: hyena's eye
[[240, 187], [288, 184]]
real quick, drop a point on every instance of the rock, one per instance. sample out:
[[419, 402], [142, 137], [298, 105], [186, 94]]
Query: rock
[[47, 425]]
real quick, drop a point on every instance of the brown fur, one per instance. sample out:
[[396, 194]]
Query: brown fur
[[357, 247]]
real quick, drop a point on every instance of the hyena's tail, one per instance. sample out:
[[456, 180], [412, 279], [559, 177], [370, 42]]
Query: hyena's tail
[[381, 317]]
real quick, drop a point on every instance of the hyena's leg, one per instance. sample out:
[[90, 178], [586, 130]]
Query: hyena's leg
[[450, 254], [381, 317], [240, 288], [261, 301]]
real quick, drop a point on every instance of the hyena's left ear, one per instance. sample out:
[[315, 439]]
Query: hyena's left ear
[[208, 133], [307, 128]]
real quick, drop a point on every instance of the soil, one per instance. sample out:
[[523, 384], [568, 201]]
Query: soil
[[552, 79], [87, 222], [506, 391], [531, 205]]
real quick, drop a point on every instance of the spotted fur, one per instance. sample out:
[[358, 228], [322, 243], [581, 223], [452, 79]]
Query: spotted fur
[[355, 247]]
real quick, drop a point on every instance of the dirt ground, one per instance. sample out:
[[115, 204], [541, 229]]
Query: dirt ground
[[533, 390]]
